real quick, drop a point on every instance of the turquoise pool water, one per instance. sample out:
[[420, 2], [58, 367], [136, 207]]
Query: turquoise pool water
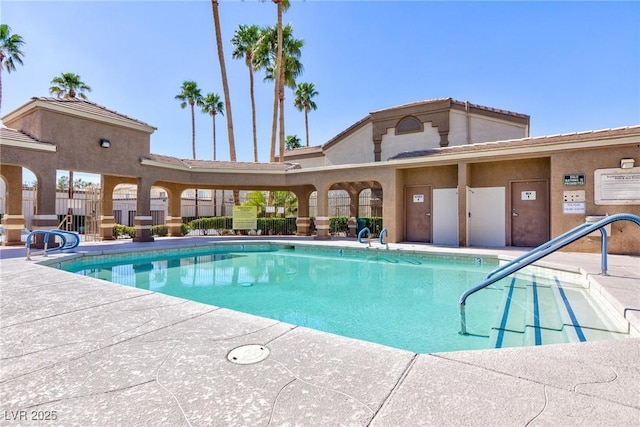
[[406, 301]]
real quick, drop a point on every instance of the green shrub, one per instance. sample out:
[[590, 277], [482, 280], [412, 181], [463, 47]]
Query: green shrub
[[212, 223], [120, 230], [375, 224], [338, 224], [159, 230], [184, 229]]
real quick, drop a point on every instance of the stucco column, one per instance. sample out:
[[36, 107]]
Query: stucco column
[[13, 220], [45, 217], [303, 221], [142, 220], [107, 220], [463, 210], [322, 219], [174, 217], [354, 205], [392, 193]]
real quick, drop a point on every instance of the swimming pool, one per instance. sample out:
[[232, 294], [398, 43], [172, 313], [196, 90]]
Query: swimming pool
[[404, 300]]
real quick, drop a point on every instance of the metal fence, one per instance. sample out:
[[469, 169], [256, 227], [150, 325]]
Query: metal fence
[[83, 210]]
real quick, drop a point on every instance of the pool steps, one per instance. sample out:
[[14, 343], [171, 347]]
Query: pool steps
[[566, 312]]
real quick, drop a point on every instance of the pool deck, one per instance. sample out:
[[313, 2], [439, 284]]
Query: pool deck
[[90, 353]]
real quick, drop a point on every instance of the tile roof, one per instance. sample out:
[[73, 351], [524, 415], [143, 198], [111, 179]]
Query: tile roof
[[16, 135], [217, 164], [84, 106], [525, 142], [454, 101]]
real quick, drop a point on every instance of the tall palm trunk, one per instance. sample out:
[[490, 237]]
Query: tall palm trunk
[[225, 82], [1, 62], [306, 122], [225, 88], [253, 114], [280, 80], [213, 115], [274, 123], [193, 148], [193, 130]]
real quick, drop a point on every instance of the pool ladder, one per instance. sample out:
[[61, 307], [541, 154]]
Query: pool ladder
[[384, 233], [544, 250]]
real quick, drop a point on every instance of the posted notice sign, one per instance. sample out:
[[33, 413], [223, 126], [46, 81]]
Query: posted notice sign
[[245, 217]]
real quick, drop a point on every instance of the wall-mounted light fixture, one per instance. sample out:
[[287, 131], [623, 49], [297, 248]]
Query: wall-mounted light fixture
[[627, 163], [105, 143]]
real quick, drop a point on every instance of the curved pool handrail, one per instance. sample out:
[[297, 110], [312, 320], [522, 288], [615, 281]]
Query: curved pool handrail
[[361, 235], [69, 245], [62, 234], [384, 233], [544, 250]]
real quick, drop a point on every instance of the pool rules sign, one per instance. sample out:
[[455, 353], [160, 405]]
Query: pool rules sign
[[245, 217]]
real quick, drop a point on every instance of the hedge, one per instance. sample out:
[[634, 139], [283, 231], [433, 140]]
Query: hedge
[[120, 230], [267, 226]]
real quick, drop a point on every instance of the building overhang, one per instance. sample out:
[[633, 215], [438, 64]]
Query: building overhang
[[233, 169], [94, 114], [15, 139]]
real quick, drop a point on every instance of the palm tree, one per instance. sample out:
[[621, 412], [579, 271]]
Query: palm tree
[[293, 142], [211, 104], [283, 5], [10, 52], [286, 199], [225, 88], [190, 94], [304, 93], [266, 56], [225, 83], [65, 86], [68, 85], [245, 41], [257, 199]]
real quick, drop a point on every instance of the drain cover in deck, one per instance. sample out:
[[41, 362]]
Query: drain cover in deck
[[248, 354]]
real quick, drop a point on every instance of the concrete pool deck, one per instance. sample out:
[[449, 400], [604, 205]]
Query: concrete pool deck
[[91, 353]]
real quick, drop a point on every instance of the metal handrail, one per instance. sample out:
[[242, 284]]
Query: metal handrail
[[542, 246], [63, 234], [544, 250], [361, 235], [383, 233]]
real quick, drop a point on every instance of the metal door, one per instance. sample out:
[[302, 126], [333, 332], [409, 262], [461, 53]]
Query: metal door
[[417, 207], [529, 213]]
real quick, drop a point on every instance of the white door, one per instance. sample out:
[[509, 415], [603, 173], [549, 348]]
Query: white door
[[445, 216], [486, 216]]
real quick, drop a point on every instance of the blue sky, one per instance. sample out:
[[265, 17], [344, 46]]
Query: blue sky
[[571, 66]]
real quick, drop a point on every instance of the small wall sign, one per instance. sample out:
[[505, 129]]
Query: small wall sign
[[528, 195], [574, 208], [574, 179], [418, 198]]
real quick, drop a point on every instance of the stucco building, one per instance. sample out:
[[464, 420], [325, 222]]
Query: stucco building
[[445, 172]]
